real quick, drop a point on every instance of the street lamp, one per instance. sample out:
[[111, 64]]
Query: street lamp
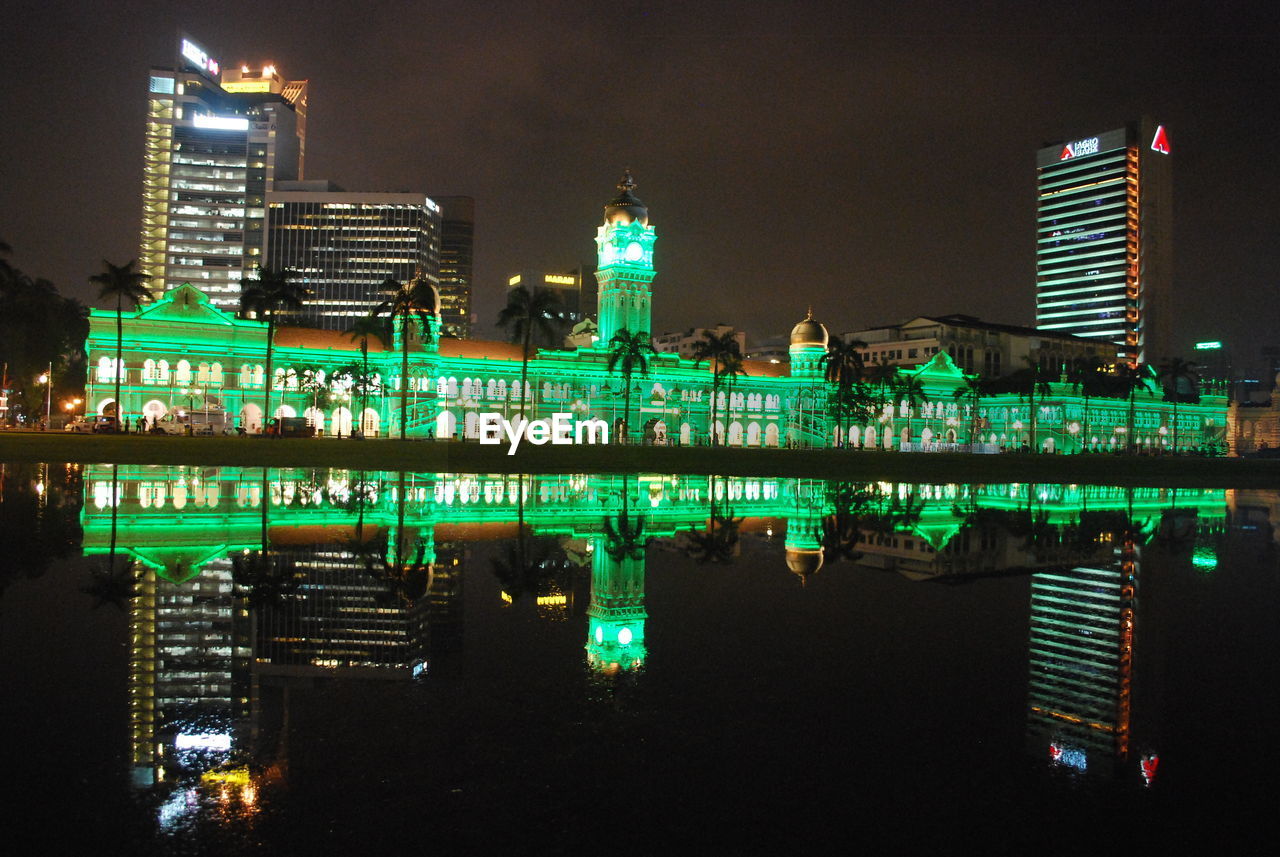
[[46, 378]]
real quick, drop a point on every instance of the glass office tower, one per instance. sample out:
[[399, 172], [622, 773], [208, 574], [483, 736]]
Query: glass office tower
[[457, 247], [216, 142], [344, 246], [1103, 239]]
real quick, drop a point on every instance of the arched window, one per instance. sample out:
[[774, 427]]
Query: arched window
[[163, 369], [202, 374], [246, 375], [183, 374], [259, 375], [493, 389], [453, 387], [149, 373]]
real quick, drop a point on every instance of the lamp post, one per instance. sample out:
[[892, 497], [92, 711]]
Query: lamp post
[[46, 378]]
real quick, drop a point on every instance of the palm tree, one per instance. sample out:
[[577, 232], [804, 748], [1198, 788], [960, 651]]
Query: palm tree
[[125, 285], [1030, 381], [416, 299], [629, 352], [725, 356], [843, 367], [1131, 377], [1084, 374], [973, 389], [530, 318], [270, 293], [362, 329], [1171, 373], [909, 390]]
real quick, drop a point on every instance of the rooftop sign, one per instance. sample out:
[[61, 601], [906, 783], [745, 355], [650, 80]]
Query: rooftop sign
[[196, 55]]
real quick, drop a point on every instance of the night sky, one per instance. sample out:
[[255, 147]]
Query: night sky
[[875, 160]]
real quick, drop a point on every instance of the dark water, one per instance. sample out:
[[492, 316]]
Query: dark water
[[379, 661]]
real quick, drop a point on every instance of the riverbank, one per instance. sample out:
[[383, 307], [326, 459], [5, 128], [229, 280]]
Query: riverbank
[[452, 456]]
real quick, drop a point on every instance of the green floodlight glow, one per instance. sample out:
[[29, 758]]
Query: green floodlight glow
[[1205, 559], [1212, 345]]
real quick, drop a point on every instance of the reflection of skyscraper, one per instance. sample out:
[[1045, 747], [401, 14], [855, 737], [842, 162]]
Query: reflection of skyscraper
[[1081, 662], [1103, 239], [457, 248], [216, 141], [188, 671]]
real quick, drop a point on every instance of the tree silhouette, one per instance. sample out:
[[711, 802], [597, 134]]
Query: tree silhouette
[[629, 353], [531, 317], [416, 300], [124, 285], [272, 292]]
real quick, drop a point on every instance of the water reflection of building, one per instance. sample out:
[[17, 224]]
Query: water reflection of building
[[1081, 662], [188, 672], [616, 626]]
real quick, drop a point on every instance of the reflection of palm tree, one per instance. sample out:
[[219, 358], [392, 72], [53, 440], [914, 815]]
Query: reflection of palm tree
[[113, 584], [842, 529], [260, 577], [718, 542], [624, 538]]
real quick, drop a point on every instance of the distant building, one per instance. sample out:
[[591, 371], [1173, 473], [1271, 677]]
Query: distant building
[[567, 287], [1103, 239], [774, 349], [683, 342], [343, 246], [457, 251], [216, 142], [975, 345]]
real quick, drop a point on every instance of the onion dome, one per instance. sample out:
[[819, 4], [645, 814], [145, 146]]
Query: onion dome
[[625, 207], [804, 561], [809, 332]]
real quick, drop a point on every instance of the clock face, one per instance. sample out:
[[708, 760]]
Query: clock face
[[633, 252]]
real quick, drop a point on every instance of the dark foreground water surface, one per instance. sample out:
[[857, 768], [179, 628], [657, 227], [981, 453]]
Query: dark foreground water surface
[[226, 660]]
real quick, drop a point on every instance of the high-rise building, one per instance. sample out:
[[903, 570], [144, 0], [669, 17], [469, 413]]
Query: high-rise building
[[1103, 232], [457, 246], [216, 143], [567, 288], [343, 246]]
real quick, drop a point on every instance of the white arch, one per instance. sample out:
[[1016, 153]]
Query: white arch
[[182, 375], [771, 435], [753, 434], [719, 432], [735, 433], [869, 439], [154, 410], [446, 424], [854, 435], [369, 422], [341, 421], [686, 434], [286, 411], [926, 435], [471, 424]]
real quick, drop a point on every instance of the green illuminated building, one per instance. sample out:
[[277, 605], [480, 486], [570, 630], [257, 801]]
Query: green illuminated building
[[183, 355]]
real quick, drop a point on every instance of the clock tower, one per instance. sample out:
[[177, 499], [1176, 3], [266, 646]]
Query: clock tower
[[624, 264]]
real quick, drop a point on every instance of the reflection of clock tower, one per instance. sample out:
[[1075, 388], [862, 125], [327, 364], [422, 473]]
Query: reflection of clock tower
[[624, 264]]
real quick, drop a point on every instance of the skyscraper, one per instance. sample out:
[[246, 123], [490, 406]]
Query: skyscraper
[[216, 142], [1103, 231], [457, 245], [344, 246]]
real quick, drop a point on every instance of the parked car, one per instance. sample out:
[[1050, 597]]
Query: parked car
[[79, 425], [290, 427], [106, 425]]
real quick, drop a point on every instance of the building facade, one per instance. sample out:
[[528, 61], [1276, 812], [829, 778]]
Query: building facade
[[566, 287], [1103, 239], [978, 346], [684, 342], [184, 354], [457, 251], [344, 246], [213, 151]]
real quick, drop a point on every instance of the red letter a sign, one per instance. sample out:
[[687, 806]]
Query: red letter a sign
[[1160, 142]]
